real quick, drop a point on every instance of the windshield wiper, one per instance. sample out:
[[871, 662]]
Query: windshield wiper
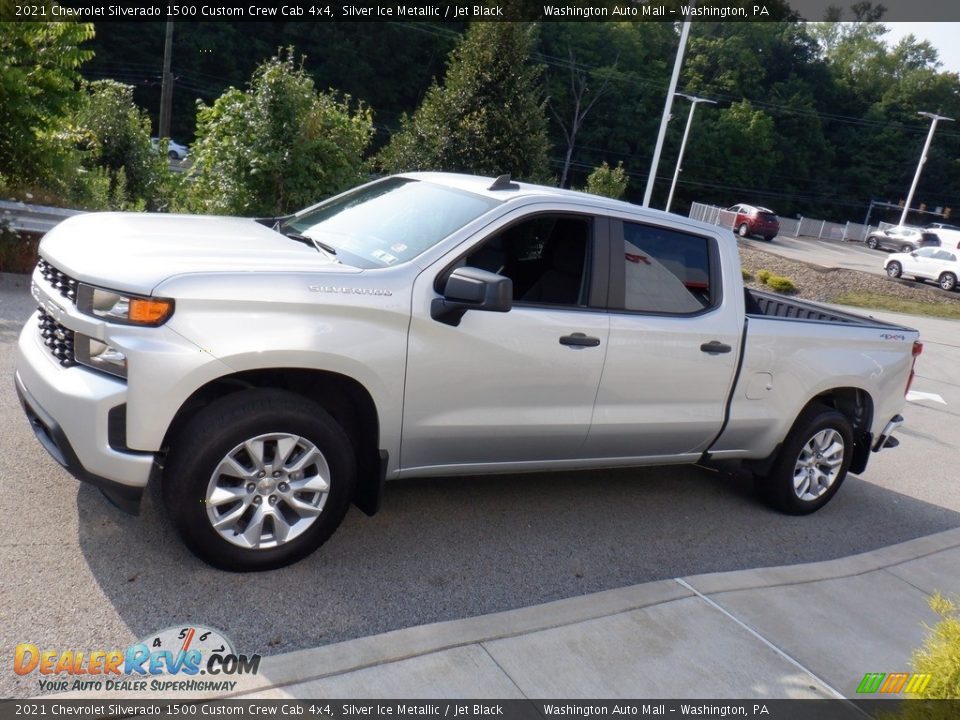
[[312, 241]]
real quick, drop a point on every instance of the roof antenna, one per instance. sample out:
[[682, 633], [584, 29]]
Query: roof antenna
[[503, 183]]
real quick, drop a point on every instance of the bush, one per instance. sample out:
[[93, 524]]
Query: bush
[[746, 275], [781, 284], [114, 137], [763, 276], [940, 655], [607, 181], [278, 146]]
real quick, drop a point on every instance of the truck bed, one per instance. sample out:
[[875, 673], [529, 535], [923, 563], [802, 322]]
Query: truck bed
[[770, 305]]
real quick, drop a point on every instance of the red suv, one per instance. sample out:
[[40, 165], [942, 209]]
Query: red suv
[[750, 220]]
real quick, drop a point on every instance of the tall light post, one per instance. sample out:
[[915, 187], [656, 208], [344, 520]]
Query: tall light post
[[923, 159], [665, 118], [683, 144]]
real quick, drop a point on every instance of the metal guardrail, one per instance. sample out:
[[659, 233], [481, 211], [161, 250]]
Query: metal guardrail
[[33, 218]]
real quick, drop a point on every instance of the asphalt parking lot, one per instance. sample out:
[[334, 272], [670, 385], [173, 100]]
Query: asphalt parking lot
[[80, 574]]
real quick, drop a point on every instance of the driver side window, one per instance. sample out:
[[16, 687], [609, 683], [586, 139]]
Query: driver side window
[[546, 257]]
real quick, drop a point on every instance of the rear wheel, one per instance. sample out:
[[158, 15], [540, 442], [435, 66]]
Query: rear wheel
[[743, 230], [872, 242], [812, 463], [906, 248], [948, 281], [258, 480], [894, 269]]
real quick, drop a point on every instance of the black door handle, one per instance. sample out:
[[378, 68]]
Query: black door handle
[[715, 347], [579, 340]]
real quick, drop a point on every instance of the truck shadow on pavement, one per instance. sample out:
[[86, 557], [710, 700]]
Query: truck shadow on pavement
[[449, 548]]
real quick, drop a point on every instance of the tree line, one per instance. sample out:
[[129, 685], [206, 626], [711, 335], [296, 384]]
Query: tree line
[[811, 118]]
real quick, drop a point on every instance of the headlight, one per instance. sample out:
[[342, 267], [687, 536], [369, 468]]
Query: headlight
[[98, 355], [123, 307]]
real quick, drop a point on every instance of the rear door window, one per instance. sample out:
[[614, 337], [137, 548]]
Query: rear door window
[[665, 271]]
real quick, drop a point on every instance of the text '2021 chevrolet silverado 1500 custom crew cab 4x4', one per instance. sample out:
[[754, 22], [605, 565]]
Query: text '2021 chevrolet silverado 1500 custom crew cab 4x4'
[[270, 373]]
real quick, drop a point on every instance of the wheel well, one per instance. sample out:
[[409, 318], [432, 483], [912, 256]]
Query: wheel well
[[857, 405], [344, 398]]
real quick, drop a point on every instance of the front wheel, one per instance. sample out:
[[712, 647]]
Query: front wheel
[[812, 463], [894, 269], [743, 230], [258, 480], [872, 242], [948, 281], [906, 249]]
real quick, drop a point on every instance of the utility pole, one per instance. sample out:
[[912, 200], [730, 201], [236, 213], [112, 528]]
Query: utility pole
[[665, 118], [166, 89], [683, 144], [923, 159]]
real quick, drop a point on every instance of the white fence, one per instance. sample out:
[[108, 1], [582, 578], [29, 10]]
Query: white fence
[[793, 227]]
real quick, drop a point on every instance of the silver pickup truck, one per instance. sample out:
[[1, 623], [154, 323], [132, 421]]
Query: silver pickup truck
[[269, 373]]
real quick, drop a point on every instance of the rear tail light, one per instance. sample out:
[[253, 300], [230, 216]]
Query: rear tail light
[[917, 349]]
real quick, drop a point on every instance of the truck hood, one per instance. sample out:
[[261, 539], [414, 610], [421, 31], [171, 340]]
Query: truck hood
[[137, 251]]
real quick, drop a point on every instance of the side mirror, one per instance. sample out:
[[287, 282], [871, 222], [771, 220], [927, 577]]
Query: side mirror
[[470, 288]]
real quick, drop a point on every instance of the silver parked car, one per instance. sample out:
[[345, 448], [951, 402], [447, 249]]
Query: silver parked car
[[900, 237]]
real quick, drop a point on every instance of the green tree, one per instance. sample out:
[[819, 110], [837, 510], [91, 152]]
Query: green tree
[[486, 118], [38, 87], [115, 136], [278, 146], [607, 181]]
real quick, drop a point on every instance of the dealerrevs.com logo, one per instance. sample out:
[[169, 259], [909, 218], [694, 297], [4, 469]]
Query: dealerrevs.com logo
[[167, 661]]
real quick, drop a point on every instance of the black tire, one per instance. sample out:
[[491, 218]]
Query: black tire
[[894, 269], [948, 281], [769, 238], [778, 487], [214, 434], [906, 249], [173, 155], [743, 231], [872, 243]]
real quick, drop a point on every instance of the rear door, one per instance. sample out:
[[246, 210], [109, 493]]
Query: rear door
[[674, 344]]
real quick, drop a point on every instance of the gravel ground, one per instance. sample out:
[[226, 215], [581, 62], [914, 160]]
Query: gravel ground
[[824, 284]]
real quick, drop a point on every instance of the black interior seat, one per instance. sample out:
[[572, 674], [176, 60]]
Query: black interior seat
[[563, 255]]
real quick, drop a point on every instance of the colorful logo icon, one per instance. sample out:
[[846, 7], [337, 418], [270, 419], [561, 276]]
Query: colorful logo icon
[[893, 683]]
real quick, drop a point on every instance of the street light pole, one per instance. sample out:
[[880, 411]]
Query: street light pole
[[665, 118], [683, 144], [923, 159]]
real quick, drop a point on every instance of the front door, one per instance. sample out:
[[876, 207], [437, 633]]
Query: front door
[[516, 387]]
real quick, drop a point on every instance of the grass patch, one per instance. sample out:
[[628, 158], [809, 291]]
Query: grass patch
[[876, 301], [746, 274]]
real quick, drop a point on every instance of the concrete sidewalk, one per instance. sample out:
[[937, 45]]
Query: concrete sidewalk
[[800, 631]]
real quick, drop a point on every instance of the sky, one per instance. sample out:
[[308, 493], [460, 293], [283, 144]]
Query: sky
[[944, 36]]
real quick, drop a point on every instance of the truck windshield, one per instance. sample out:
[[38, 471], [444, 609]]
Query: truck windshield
[[389, 222]]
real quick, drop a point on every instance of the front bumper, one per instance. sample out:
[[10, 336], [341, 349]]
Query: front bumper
[[68, 410]]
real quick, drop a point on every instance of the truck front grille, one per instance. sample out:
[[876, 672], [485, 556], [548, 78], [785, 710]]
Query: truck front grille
[[58, 338], [61, 282]]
